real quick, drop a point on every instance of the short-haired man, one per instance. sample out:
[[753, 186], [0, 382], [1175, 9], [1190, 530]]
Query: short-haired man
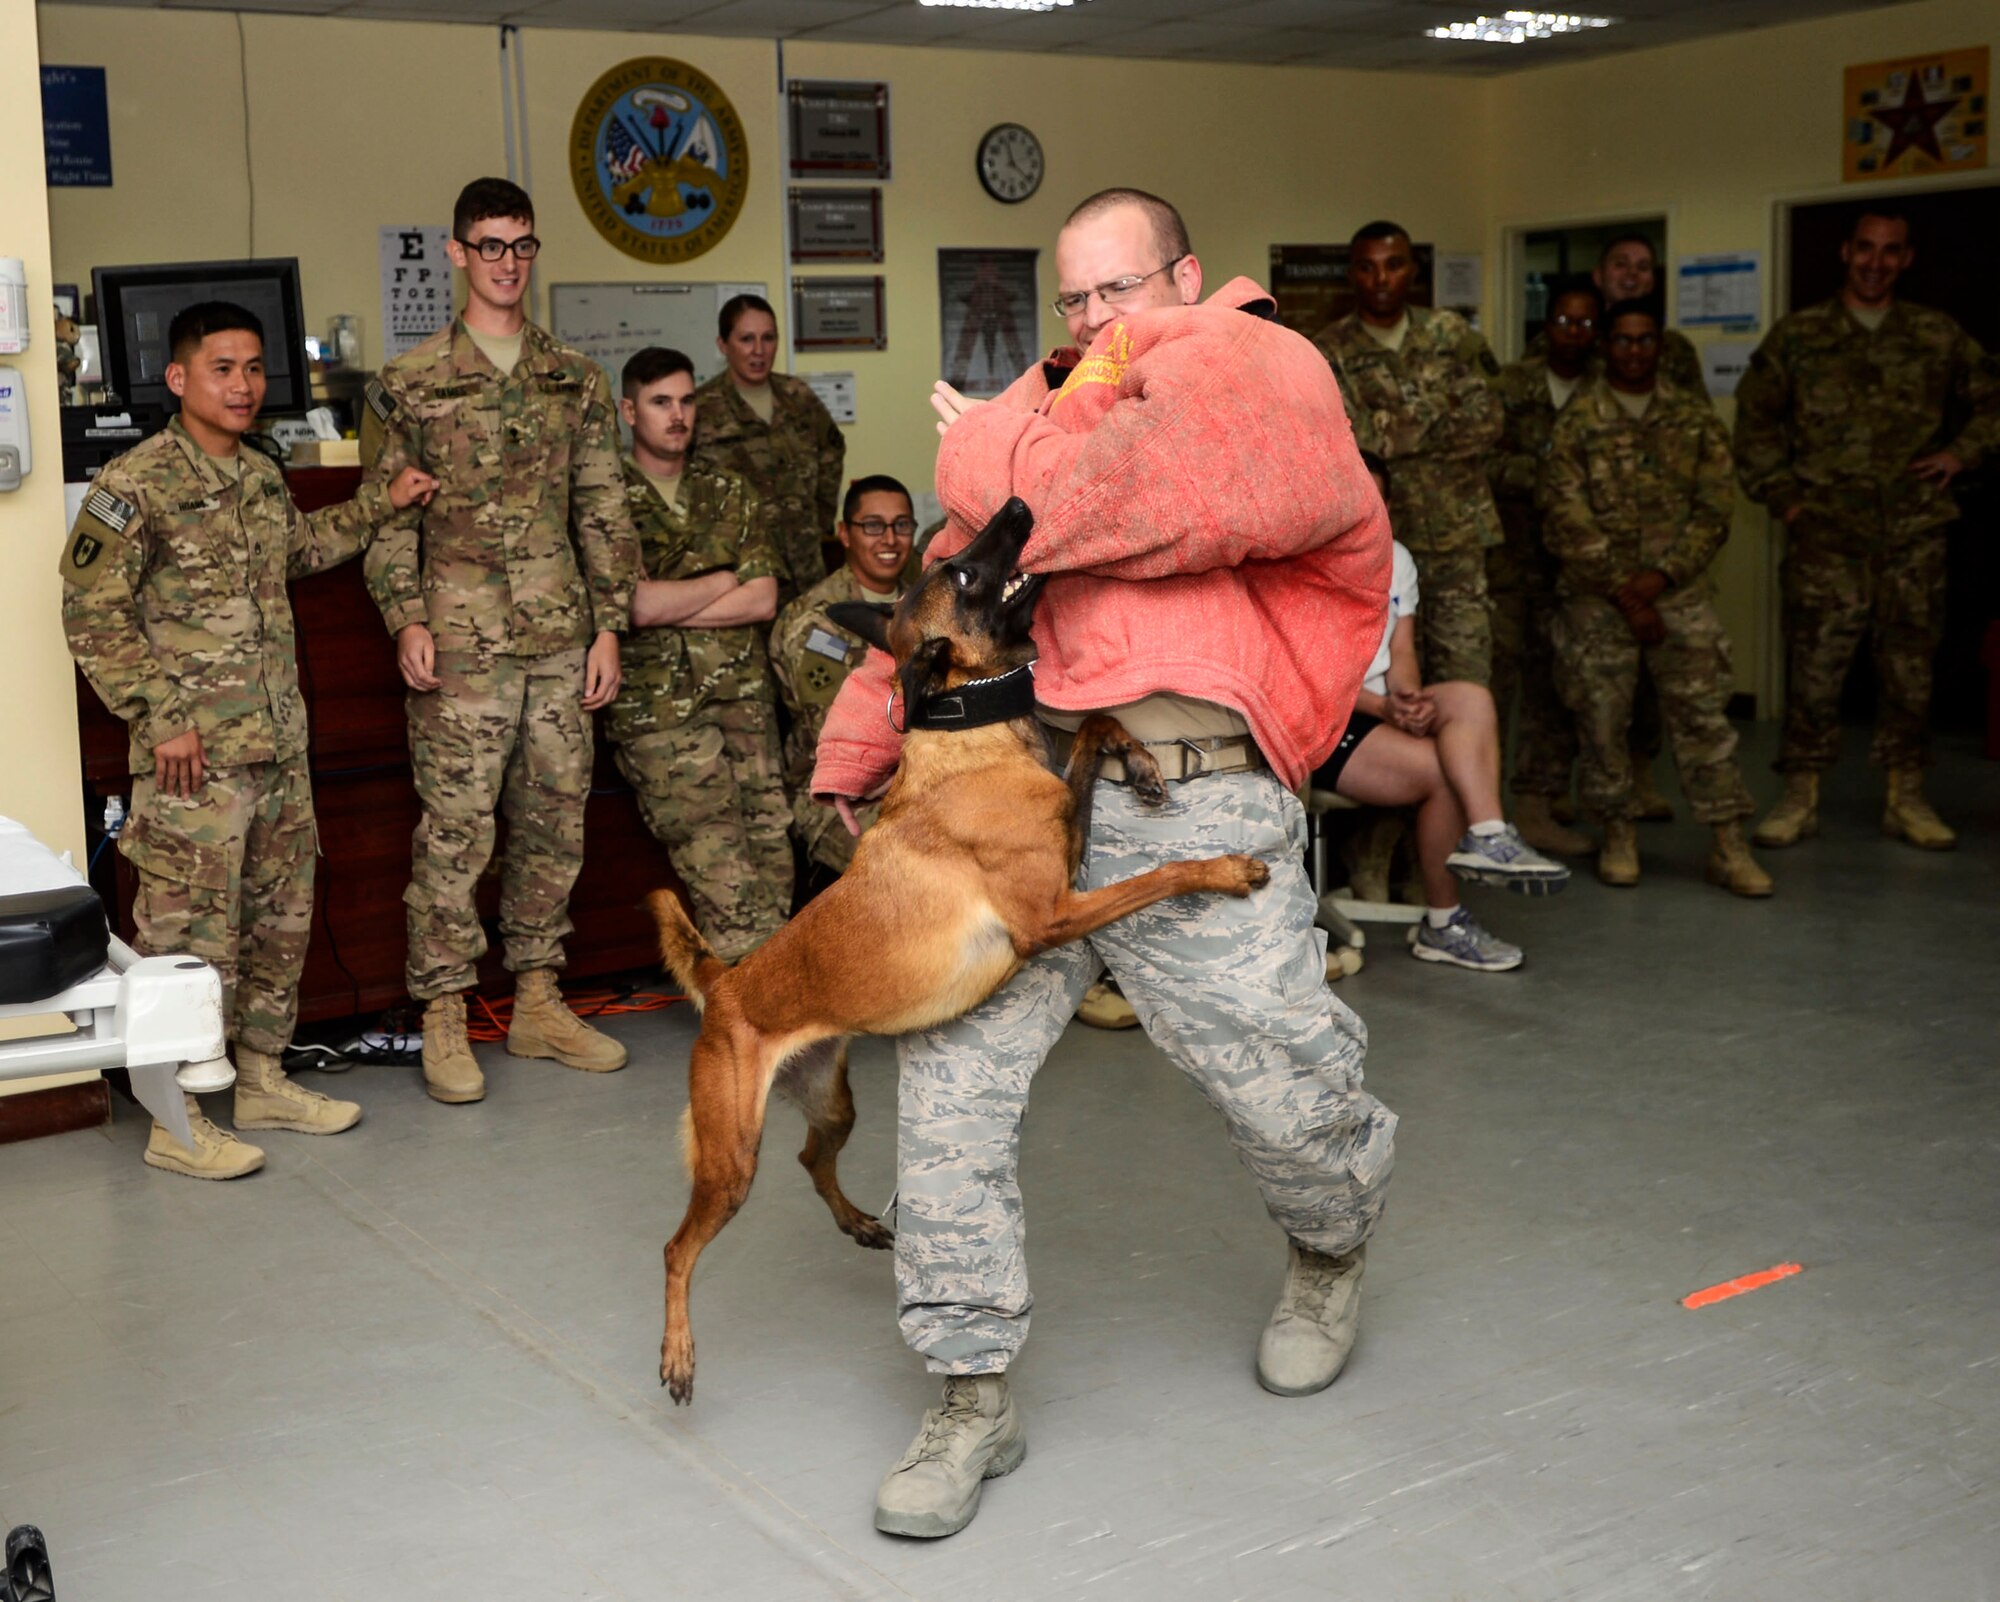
[[694, 727], [1225, 613], [771, 429], [812, 655], [1852, 422], [1628, 268], [1418, 388], [506, 601], [1637, 495], [175, 605]]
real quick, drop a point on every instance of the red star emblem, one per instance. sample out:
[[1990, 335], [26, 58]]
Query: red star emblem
[[1913, 124]]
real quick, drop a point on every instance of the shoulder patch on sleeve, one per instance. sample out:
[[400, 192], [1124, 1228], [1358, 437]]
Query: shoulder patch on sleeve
[[378, 398], [108, 509], [100, 525]]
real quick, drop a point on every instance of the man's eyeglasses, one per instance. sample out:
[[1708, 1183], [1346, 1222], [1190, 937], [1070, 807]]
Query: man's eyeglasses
[[1113, 293], [1587, 324], [875, 527], [526, 248]]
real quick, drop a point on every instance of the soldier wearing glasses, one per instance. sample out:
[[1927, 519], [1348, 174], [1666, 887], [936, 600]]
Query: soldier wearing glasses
[[506, 597]]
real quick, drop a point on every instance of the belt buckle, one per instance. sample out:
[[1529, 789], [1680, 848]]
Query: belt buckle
[[1200, 756]]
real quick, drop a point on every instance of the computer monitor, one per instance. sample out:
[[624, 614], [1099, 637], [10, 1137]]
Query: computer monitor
[[136, 305]]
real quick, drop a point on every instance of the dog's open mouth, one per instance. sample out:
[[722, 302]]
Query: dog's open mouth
[[1012, 587]]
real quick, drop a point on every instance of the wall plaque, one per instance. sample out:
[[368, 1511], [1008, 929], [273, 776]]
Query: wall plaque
[[838, 314], [839, 130], [836, 224]]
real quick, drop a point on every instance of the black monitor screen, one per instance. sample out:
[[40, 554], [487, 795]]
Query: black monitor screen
[[136, 305]]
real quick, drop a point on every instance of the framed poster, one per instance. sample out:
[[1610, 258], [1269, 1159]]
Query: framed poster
[[838, 130], [835, 224], [989, 304], [416, 285], [838, 314], [1916, 115]]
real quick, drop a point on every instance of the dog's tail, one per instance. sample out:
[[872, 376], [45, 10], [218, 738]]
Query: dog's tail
[[687, 956]]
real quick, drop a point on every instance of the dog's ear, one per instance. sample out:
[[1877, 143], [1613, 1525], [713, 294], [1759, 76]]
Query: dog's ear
[[926, 663], [865, 618]]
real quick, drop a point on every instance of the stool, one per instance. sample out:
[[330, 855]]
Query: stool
[[1339, 914]]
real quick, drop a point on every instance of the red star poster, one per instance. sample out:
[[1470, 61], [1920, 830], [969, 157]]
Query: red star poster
[[1919, 115]]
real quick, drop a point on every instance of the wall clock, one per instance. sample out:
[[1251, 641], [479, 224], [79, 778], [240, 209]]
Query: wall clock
[[1010, 163]]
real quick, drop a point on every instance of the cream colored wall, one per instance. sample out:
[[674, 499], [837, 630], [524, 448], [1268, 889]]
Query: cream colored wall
[[1713, 134], [1249, 153]]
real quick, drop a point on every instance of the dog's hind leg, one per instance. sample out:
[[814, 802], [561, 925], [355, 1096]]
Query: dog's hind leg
[[817, 1080], [1097, 737]]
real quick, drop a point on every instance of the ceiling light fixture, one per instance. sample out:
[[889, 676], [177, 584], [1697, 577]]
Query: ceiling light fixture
[[1003, 5], [1515, 27]]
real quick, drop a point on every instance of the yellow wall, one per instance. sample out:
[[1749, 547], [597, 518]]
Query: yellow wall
[[1713, 134]]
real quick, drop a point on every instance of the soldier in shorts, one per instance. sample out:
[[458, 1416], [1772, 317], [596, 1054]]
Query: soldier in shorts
[[695, 727], [175, 605], [506, 604]]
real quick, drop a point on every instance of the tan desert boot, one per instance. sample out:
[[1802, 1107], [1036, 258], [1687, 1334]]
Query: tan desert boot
[[1104, 1008], [217, 1154], [976, 1436], [1909, 816], [1311, 1331], [1731, 865], [545, 1027], [1618, 861], [451, 1072], [1648, 805], [266, 1099], [1342, 962], [1537, 825], [1795, 817]]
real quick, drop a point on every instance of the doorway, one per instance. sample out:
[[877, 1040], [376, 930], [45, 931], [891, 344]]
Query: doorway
[[1956, 232], [1547, 257]]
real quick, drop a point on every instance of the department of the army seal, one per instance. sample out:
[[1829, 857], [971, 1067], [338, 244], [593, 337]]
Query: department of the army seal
[[660, 160]]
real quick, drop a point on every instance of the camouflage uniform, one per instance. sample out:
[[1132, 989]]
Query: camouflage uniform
[[794, 461], [1521, 581], [694, 728], [1829, 417], [1618, 497], [175, 606], [1680, 362], [522, 558], [811, 657], [1271, 1048], [1430, 412]]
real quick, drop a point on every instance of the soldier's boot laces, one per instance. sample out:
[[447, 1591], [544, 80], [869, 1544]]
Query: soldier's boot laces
[[1305, 1345], [216, 1153], [1618, 858], [1731, 865], [1795, 817], [1648, 805], [1536, 820], [1909, 816], [451, 1072], [976, 1436], [267, 1099], [544, 1026]]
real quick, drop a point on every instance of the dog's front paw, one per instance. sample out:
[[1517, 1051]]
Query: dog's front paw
[[1247, 874], [1143, 773], [677, 1373]]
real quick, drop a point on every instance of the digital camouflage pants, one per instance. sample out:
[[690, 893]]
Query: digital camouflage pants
[[227, 876], [502, 735], [1831, 600], [713, 793], [1233, 991], [1597, 667]]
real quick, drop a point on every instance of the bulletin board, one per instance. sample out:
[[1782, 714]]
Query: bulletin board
[[610, 323]]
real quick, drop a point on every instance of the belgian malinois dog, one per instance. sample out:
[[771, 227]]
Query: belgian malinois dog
[[969, 871]]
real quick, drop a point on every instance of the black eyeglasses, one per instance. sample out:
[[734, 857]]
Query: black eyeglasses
[[526, 248], [1112, 293], [875, 527]]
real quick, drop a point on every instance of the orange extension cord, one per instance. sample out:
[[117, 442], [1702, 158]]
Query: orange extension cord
[[486, 1019]]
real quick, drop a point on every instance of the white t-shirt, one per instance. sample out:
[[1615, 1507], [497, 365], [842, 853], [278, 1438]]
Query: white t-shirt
[[1402, 603]]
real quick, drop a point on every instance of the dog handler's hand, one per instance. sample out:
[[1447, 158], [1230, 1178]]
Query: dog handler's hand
[[180, 764], [845, 806], [949, 404], [416, 656]]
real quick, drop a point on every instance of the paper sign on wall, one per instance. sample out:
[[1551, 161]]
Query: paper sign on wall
[[1720, 291], [1724, 362], [76, 128], [416, 286], [836, 393]]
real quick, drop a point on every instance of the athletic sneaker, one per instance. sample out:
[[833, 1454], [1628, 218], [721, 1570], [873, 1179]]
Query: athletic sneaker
[[1463, 942], [1506, 860]]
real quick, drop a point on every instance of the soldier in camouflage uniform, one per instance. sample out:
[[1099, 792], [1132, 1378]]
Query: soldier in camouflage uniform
[[1628, 269], [1418, 387], [1636, 500], [695, 726], [812, 655], [771, 429], [1851, 424], [506, 605], [175, 605]]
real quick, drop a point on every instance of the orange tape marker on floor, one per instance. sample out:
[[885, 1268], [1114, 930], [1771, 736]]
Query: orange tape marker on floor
[[1736, 1287]]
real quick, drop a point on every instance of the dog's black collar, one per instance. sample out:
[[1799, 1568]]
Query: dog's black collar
[[979, 701]]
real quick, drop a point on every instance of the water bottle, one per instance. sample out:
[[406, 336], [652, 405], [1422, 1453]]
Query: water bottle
[[114, 815]]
